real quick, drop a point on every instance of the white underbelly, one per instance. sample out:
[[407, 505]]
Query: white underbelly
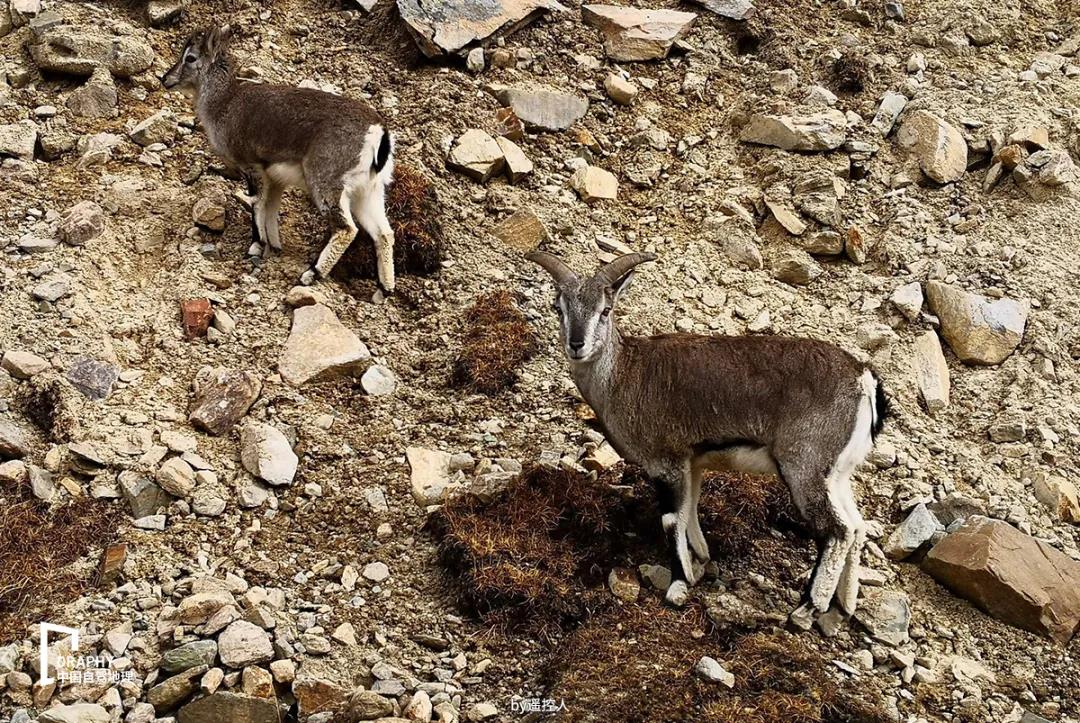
[[745, 459], [288, 174]]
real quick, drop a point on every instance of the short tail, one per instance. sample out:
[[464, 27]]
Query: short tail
[[382, 155], [880, 408]]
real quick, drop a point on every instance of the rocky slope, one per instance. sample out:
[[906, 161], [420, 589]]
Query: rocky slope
[[897, 179]]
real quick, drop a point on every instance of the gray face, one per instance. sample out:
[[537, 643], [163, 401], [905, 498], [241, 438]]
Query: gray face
[[186, 75], [585, 315]]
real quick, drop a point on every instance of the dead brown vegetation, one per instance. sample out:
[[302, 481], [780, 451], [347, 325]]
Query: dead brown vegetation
[[637, 664], [414, 213], [37, 548], [497, 340]]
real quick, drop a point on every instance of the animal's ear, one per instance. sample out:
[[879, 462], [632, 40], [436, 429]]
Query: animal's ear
[[217, 39], [620, 285]]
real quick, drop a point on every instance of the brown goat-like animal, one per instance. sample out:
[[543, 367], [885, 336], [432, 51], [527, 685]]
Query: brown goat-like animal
[[336, 148], [679, 404]]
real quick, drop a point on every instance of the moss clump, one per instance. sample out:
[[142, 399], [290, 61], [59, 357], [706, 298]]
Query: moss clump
[[497, 341]]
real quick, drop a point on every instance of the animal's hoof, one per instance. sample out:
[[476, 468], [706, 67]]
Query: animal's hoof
[[255, 250], [308, 277], [677, 594]]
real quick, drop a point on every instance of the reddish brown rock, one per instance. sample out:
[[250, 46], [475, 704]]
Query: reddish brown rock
[[197, 315], [1010, 575], [508, 125], [222, 397], [112, 562], [316, 695]]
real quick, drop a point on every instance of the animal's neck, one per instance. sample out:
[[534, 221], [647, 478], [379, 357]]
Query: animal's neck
[[216, 89], [594, 377]]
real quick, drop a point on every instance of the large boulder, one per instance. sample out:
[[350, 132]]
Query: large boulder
[[635, 33], [78, 51], [450, 26], [979, 331], [76, 713], [232, 707], [1012, 576]]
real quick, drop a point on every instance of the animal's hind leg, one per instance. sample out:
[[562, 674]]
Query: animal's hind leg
[[847, 591], [695, 536], [370, 207], [271, 205], [343, 234], [831, 528]]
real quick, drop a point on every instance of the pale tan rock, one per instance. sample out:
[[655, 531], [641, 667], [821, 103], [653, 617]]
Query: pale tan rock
[[931, 372], [476, 154], [979, 331], [820, 131], [1060, 495], [619, 89], [450, 26], [637, 34], [516, 164], [522, 231], [320, 347], [939, 148], [594, 184]]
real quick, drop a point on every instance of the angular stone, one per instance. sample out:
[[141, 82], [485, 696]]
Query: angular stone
[[316, 695], [143, 496], [266, 453], [13, 444], [222, 397], [939, 148], [593, 183], [95, 379], [158, 128], [75, 713], [197, 608], [84, 221], [18, 140], [732, 9], [175, 690], [176, 477], [231, 707], [1060, 495], [430, 475], [637, 34], [452, 25], [320, 347], [821, 131], [23, 364], [708, 669], [1012, 576], [795, 267], [111, 564], [931, 372], [78, 51], [191, 655], [892, 105], [516, 164], [257, 682], [211, 211], [619, 89], [96, 98], [908, 299], [623, 583], [786, 217], [378, 381], [477, 155], [543, 108], [916, 530], [53, 288], [376, 571], [508, 125], [163, 12], [522, 231], [979, 331], [368, 705], [243, 644], [885, 614]]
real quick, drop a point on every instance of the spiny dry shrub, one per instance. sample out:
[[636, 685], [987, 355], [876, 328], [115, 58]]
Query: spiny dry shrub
[[497, 340], [535, 555], [636, 664], [48, 405], [852, 73], [414, 213], [37, 546]]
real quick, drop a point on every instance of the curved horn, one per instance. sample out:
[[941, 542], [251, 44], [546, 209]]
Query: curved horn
[[553, 265], [621, 266]]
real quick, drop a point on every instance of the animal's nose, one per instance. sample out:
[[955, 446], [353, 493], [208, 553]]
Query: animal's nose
[[577, 345]]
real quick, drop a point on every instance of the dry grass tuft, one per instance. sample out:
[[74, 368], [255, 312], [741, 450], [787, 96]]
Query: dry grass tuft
[[414, 213], [852, 73], [498, 339], [37, 546], [533, 556], [48, 404], [637, 664]]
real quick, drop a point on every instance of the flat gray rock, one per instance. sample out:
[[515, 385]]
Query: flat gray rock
[[450, 26]]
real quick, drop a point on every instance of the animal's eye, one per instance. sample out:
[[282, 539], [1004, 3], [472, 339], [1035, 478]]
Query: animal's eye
[[190, 59], [558, 310], [604, 314]]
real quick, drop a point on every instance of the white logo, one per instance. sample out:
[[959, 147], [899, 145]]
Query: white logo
[[43, 648]]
